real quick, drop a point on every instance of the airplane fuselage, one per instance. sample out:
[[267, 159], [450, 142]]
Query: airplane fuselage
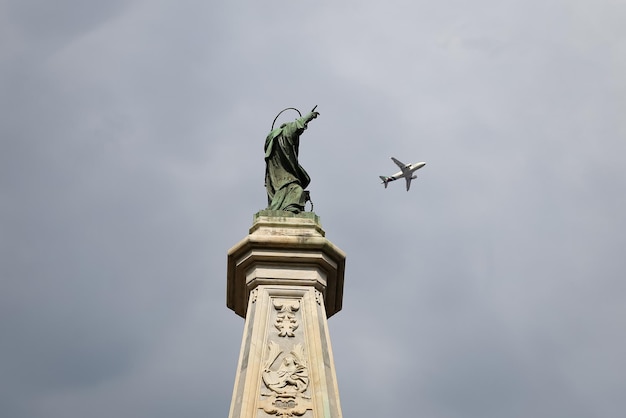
[[410, 169]]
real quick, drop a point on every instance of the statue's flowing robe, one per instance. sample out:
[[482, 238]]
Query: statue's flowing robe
[[285, 179]]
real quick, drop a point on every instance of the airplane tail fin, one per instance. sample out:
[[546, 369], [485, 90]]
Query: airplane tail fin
[[385, 180]]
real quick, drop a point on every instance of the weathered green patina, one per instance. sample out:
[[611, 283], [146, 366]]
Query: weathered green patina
[[285, 179]]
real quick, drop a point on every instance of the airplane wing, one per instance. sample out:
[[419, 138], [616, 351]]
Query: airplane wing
[[399, 164], [408, 182]]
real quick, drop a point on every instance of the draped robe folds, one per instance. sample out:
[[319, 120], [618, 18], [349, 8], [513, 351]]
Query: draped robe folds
[[285, 179]]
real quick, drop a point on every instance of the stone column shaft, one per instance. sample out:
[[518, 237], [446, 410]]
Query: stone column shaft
[[285, 270]]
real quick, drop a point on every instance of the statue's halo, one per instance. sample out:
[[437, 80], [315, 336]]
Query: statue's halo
[[279, 113]]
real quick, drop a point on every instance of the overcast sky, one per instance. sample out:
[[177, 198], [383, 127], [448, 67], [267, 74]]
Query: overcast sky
[[131, 160]]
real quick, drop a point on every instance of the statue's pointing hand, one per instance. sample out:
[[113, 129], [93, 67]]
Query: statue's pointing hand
[[312, 114]]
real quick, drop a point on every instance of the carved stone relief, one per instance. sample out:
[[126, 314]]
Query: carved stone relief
[[286, 322], [287, 381]]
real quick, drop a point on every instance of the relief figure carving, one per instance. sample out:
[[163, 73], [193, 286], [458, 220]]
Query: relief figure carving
[[287, 382]]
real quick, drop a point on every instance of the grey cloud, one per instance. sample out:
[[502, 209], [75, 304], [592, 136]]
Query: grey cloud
[[131, 160]]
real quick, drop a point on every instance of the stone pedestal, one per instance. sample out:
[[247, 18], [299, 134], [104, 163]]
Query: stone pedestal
[[285, 278]]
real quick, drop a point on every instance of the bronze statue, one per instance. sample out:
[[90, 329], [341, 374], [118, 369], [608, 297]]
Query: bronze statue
[[285, 179]]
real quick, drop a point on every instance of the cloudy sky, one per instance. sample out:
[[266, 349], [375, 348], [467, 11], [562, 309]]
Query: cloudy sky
[[131, 160]]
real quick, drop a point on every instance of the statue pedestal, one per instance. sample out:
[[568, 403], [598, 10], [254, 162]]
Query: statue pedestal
[[285, 278]]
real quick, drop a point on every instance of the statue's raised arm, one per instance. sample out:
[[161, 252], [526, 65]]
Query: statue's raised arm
[[285, 179]]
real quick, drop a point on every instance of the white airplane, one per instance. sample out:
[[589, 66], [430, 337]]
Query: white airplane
[[407, 173]]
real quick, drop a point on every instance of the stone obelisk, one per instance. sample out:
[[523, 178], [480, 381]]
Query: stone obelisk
[[285, 278]]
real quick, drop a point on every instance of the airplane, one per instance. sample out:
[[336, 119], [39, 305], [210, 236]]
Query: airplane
[[407, 173]]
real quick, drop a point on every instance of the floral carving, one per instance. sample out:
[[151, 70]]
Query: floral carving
[[318, 297], [286, 322]]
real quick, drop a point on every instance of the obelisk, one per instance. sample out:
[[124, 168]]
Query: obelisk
[[285, 278]]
